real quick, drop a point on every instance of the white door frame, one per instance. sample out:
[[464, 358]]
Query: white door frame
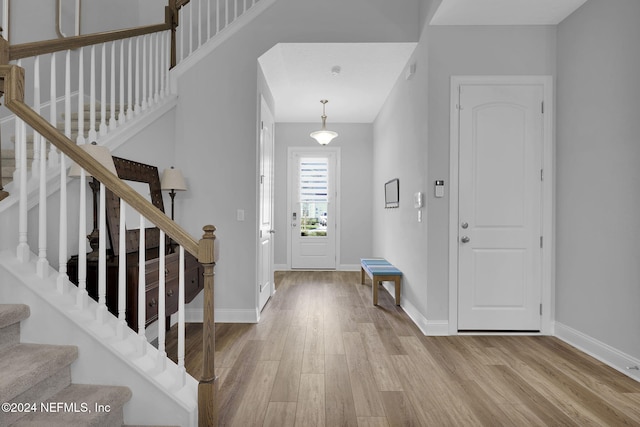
[[336, 151], [548, 195]]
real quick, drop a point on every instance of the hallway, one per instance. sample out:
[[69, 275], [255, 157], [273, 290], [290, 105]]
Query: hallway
[[322, 355]]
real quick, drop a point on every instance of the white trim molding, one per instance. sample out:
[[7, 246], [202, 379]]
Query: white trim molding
[[608, 355], [548, 195]]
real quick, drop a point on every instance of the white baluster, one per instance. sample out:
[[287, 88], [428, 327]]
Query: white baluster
[[163, 64], [82, 296], [144, 73], [23, 250], [102, 257], [162, 292], [190, 28], [67, 95], [62, 228], [235, 10], [130, 80], [199, 23], [121, 112], [17, 145], [181, 323], [54, 158], [112, 98], [142, 288], [92, 97], [80, 140], [244, 7], [181, 31], [226, 13], [103, 91], [138, 71], [208, 19], [42, 266], [156, 95], [217, 16], [37, 139], [167, 64], [122, 272]]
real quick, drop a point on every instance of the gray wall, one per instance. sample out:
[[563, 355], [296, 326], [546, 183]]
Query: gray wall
[[598, 153], [217, 121], [411, 140], [355, 142]]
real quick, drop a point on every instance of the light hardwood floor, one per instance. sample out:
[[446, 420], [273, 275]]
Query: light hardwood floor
[[323, 355]]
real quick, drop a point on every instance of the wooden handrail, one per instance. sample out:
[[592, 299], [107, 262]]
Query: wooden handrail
[[13, 84], [27, 50]]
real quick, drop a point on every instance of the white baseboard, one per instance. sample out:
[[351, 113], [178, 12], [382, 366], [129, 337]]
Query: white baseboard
[[601, 351], [428, 327], [281, 267], [349, 267], [195, 315]]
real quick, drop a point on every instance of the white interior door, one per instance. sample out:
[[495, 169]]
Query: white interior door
[[500, 184], [313, 208], [266, 286]]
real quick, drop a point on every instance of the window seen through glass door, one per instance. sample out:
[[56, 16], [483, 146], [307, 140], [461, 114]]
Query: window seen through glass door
[[314, 186]]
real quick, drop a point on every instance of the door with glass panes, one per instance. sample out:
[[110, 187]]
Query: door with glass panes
[[312, 212]]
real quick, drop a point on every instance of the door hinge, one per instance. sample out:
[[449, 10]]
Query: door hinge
[[540, 309], [542, 107], [261, 179], [261, 125], [541, 174], [540, 242]]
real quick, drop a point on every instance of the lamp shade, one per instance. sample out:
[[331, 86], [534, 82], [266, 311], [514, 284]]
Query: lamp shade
[[99, 153], [323, 136], [172, 179]]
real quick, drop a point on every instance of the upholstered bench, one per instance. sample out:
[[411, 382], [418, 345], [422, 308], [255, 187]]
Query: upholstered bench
[[380, 270]]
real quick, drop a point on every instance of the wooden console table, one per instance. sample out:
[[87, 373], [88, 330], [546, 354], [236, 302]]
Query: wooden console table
[[193, 283]]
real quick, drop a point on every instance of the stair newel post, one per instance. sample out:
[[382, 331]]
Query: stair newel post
[[207, 388], [171, 17]]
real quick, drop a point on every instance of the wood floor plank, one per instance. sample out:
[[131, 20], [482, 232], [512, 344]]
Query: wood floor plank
[[373, 422], [254, 402], [310, 410], [487, 380], [366, 396], [340, 409], [280, 414], [285, 387]]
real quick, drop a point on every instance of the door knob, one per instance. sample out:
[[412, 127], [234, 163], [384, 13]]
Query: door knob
[[465, 239], [272, 231]]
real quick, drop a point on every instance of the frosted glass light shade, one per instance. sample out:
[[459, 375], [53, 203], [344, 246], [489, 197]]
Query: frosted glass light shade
[[323, 136]]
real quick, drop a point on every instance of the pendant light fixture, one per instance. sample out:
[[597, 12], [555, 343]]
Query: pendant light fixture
[[323, 136]]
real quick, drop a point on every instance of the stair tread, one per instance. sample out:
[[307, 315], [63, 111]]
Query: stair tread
[[24, 365], [81, 409], [13, 313]]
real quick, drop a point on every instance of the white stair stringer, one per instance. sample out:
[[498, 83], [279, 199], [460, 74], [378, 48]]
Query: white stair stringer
[[103, 357]]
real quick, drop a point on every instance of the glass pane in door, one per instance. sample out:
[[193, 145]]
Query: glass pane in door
[[314, 196]]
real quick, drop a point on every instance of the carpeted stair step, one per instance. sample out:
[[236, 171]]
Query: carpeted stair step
[[81, 405], [10, 317], [34, 373]]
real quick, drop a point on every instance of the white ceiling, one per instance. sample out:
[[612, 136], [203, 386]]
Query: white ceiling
[[504, 12], [299, 76]]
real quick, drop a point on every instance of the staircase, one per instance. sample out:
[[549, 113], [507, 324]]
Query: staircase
[[8, 155], [35, 382]]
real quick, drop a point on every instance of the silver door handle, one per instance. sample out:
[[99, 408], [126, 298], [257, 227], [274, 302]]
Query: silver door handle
[[272, 231], [465, 239]]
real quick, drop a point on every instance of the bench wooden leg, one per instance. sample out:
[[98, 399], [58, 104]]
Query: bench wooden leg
[[397, 283], [361, 276], [374, 286]]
